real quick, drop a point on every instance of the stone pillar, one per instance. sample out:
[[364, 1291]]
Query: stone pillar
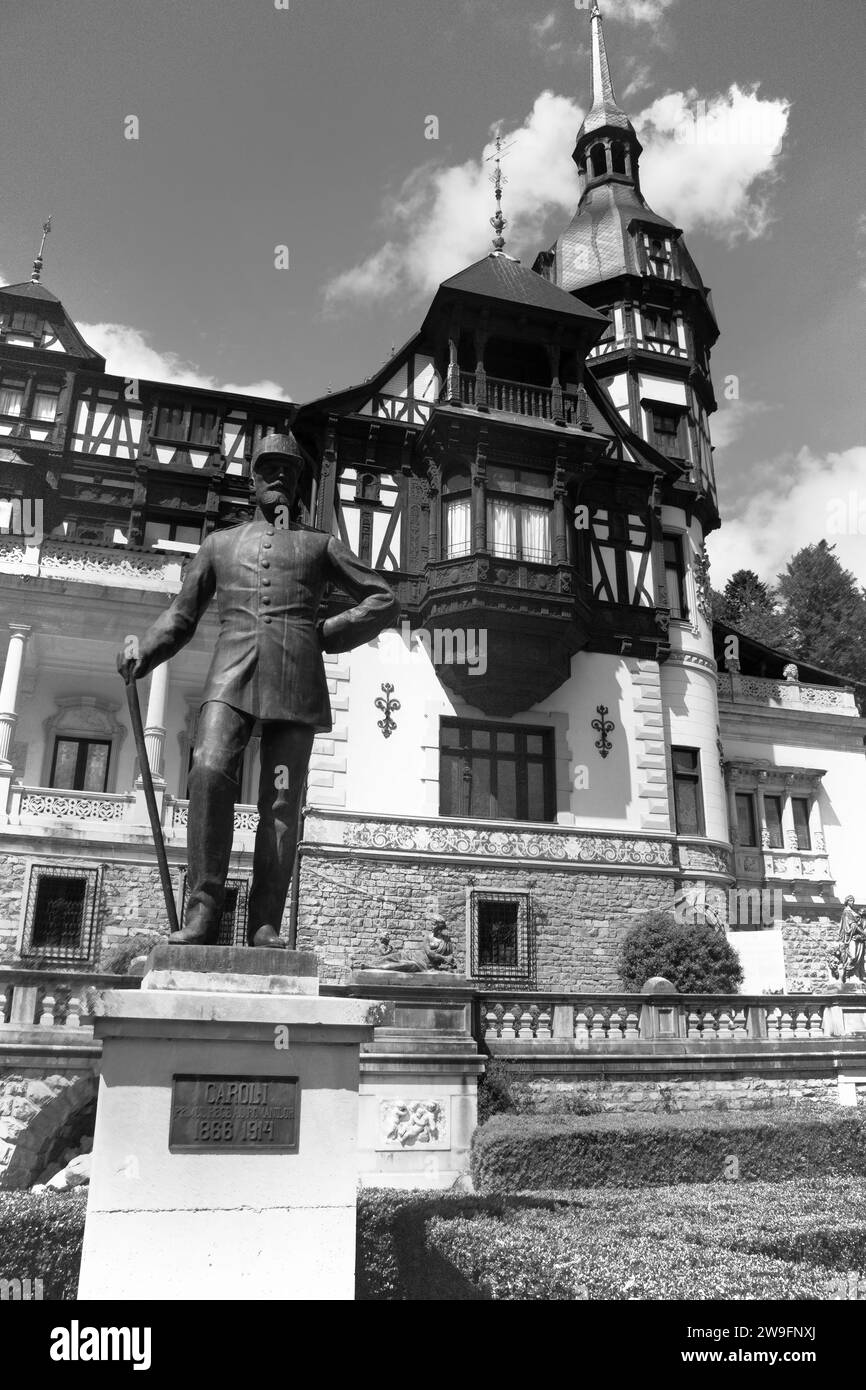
[[19, 633], [154, 724]]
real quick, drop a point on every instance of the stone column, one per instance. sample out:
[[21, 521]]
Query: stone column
[[19, 633], [154, 724]]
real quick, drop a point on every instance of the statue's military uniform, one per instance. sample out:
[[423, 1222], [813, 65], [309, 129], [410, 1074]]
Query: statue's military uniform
[[267, 665]]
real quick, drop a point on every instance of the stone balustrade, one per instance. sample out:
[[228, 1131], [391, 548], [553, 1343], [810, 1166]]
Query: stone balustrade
[[42, 999], [588, 1020], [735, 688], [109, 566]]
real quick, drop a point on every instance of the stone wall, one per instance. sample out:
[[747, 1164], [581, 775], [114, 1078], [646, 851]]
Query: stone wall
[[36, 1112], [807, 943], [578, 919], [549, 1095]]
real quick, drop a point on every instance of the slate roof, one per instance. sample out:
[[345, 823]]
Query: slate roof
[[502, 278], [29, 290]]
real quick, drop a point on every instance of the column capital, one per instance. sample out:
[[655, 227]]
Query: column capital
[[22, 629]]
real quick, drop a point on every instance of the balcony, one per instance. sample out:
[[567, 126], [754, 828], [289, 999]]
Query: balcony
[[120, 813], [115, 567], [519, 398], [737, 689]]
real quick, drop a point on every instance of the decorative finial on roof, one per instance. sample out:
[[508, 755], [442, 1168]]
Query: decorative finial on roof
[[602, 83], [37, 264], [498, 222]]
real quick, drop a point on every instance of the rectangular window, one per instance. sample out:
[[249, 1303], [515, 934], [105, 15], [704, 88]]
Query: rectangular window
[[458, 528], [800, 809], [496, 772], [24, 322], [688, 797], [773, 820], [666, 422], [659, 326], [45, 403], [11, 397], [501, 944], [675, 576], [59, 919], [173, 533], [203, 427], [80, 764], [518, 530], [171, 422], [747, 821]]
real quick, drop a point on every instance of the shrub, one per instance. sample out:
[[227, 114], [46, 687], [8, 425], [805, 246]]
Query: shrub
[[40, 1238], [697, 959], [495, 1096], [546, 1153]]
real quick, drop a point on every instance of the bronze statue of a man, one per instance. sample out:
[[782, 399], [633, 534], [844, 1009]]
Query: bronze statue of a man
[[269, 576]]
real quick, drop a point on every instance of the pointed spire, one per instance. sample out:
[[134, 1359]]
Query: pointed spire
[[38, 262], [603, 110], [602, 85]]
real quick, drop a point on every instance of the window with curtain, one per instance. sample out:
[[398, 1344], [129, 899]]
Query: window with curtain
[[458, 527], [45, 402], [518, 514], [11, 397]]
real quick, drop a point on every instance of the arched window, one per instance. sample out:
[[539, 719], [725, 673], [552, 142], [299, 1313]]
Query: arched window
[[598, 156], [617, 158]]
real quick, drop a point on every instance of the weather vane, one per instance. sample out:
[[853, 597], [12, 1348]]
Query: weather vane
[[497, 178], [37, 264]]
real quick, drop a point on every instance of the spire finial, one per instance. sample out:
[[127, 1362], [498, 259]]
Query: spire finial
[[38, 262], [602, 84], [498, 222]]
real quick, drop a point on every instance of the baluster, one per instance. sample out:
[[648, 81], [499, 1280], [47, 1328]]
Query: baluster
[[738, 1019], [73, 1009], [723, 1026], [632, 1025], [786, 1023], [582, 1022], [816, 1021], [46, 1018], [621, 1022], [497, 1015], [801, 1023], [774, 1022], [693, 1025], [511, 1021], [544, 1024], [5, 1002]]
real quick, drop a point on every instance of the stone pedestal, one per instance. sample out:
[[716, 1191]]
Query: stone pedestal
[[419, 1081], [225, 1154]]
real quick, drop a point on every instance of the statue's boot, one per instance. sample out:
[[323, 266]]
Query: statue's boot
[[200, 928], [267, 936]]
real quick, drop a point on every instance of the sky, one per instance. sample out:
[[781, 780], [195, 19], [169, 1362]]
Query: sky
[[262, 195]]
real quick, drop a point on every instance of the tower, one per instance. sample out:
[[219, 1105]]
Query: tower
[[624, 259]]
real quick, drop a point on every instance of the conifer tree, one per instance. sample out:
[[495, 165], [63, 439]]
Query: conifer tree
[[826, 611], [752, 606]]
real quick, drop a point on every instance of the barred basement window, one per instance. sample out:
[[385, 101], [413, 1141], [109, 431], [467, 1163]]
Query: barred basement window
[[233, 922], [501, 945], [60, 916]]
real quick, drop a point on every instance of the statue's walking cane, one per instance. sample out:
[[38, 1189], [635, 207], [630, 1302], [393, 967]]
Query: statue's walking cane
[[130, 653]]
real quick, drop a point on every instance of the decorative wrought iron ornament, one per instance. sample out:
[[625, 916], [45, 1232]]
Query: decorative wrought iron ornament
[[603, 726], [387, 725]]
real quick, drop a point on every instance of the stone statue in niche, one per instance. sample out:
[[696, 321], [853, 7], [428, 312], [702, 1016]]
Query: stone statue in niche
[[436, 953], [847, 959]]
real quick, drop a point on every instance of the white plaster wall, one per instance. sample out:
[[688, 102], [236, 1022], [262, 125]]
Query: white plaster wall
[[660, 388]]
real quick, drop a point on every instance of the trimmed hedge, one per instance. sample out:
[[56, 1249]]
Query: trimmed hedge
[[545, 1153], [696, 958], [40, 1238], [757, 1240]]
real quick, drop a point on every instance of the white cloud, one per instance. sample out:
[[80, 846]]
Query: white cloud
[[636, 11], [709, 164], [730, 421], [806, 499], [439, 218], [128, 353]]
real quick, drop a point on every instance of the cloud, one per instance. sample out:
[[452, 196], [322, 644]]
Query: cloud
[[636, 11], [710, 164], [695, 168], [730, 422], [807, 498], [128, 353]]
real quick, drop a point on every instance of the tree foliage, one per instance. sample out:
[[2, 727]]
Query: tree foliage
[[826, 611], [753, 606], [697, 959]]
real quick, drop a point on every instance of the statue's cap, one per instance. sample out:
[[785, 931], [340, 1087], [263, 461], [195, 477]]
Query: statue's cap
[[279, 446]]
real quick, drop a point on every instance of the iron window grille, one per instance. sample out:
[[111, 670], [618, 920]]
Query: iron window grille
[[60, 919], [502, 942]]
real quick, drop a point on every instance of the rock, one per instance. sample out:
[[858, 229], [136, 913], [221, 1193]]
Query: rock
[[75, 1174]]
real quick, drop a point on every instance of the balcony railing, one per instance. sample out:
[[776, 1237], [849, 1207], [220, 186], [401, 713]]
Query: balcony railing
[[51, 998], [520, 398], [737, 689], [49, 805], [530, 1017]]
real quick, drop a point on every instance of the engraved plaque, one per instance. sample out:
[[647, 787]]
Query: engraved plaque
[[234, 1114]]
